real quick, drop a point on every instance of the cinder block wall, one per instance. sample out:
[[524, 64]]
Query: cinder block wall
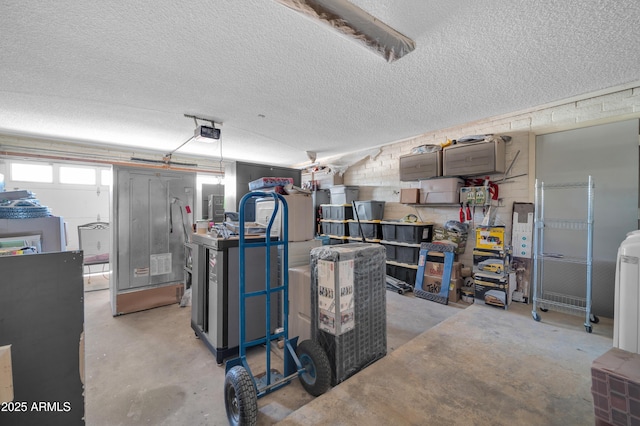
[[379, 179]]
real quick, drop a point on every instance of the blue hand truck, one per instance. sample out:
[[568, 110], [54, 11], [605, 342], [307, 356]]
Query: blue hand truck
[[308, 360]]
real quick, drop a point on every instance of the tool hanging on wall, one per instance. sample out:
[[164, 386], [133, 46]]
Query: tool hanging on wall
[[461, 213], [468, 211]]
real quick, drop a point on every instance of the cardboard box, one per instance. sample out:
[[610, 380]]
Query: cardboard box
[[432, 284], [410, 195], [491, 290], [457, 239], [436, 269], [336, 314], [6, 374], [490, 238], [492, 262], [300, 302], [300, 213], [522, 230]]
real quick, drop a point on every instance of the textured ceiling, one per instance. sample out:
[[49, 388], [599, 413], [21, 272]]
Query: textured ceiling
[[125, 73]]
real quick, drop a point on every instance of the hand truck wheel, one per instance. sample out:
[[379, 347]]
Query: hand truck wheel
[[316, 379], [240, 398]]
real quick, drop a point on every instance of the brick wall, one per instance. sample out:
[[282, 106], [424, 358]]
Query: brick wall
[[379, 179]]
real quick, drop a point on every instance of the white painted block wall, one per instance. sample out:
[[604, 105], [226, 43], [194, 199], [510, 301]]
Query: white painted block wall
[[379, 178]]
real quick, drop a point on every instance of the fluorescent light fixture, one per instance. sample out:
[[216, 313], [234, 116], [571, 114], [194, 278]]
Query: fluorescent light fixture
[[356, 24]]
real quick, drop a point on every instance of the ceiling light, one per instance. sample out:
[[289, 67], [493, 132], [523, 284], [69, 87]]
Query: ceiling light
[[356, 24]]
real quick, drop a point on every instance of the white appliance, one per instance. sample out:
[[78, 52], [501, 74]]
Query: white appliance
[[626, 323]]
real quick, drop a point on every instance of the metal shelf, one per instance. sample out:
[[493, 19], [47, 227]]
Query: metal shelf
[[553, 300]]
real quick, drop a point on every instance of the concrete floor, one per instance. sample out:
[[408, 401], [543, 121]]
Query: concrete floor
[[478, 365]]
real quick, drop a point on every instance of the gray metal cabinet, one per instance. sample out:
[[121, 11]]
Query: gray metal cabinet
[[150, 229]]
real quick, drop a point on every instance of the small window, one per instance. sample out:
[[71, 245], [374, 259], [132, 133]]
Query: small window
[[32, 172], [105, 177], [77, 175]]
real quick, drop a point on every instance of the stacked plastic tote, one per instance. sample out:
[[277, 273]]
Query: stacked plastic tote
[[348, 305]]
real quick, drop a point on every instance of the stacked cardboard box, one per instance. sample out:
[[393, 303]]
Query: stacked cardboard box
[[491, 268], [433, 270], [522, 242]]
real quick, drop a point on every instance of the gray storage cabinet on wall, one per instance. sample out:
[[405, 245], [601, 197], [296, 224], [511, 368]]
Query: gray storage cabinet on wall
[[42, 318], [420, 166], [474, 158]]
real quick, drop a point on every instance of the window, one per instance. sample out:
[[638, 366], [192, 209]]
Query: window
[[32, 172], [105, 177], [77, 175]]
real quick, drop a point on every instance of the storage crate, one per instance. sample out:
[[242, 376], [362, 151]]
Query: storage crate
[[474, 159], [359, 267], [340, 229], [369, 210], [407, 232], [444, 190], [335, 227], [372, 230], [420, 166], [337, 211], [341, 194], [391, 250], [407, 254], [408, 275]]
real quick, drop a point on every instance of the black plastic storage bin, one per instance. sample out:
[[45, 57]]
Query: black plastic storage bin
[[407, 232], [337, 211], [372, 229], [326, 227], [408, 275], [339, 229], [407, 254], [391, 251], [370, 210], [335, 227]]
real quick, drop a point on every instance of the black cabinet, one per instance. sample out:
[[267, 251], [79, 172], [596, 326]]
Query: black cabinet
[[42, 318], [243, 173]]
